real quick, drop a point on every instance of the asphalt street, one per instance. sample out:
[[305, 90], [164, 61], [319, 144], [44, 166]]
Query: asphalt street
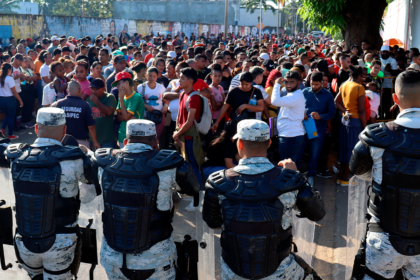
[[329, 259]]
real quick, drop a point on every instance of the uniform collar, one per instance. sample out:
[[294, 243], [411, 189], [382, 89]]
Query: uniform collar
[[44, 142], [136, 148], [409, 118], [254, 165]]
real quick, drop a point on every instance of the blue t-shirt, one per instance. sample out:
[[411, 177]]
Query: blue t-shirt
[[78, 116]]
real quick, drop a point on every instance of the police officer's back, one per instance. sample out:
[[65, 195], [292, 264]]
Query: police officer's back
[[46, 178], [253, 203], [138, 182]]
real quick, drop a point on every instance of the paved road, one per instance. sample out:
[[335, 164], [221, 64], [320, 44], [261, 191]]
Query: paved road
[[330, 235]]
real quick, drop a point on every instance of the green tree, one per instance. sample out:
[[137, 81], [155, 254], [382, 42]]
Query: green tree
[[252, 5], [356, 20], [92, 8], [7, 6]]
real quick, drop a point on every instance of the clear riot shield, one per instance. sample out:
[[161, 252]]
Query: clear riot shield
[[356, 220], [303, 236], [205, 238], [195, 240]]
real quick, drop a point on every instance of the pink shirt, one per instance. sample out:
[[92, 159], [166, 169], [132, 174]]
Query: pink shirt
[[85, 85], [218, 96]]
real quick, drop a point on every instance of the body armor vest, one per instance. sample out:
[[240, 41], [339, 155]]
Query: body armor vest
[[41, 212], [132, 222], [396, 201], [253, 240]]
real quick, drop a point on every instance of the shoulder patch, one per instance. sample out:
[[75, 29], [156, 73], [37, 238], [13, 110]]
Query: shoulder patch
[[378, 135], [165, 159], [103, 157]]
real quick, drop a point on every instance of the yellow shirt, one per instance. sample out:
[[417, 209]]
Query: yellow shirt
[[350, 92], [272, 110]]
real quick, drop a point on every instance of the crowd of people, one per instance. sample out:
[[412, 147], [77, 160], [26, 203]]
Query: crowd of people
[[313, 92]]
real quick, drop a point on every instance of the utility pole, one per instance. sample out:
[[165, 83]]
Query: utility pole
[[278, 19], [83, 7], [226, 18], [260, 19]]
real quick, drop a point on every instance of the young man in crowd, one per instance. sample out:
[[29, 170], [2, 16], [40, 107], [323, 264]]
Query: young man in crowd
[[320, 106], [103, 106]]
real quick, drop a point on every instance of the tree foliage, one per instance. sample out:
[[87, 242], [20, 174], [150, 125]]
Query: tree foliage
[[252, 5], [93, 8], [326, 14], [7, 6]]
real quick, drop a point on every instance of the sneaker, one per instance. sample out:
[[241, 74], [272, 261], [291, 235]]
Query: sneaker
[[2, 131], [344, 183], [323, 174], [336, 170], [311, 181], [29, 125], [338, 182], [13, 137]]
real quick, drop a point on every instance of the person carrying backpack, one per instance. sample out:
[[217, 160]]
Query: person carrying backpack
[[194, 117]]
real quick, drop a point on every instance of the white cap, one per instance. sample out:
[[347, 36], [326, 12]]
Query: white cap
[[252, 130], [51, 116], [141, 128], [171, 54], [169, 43], [264, 56], [55, 38], [385, 48]]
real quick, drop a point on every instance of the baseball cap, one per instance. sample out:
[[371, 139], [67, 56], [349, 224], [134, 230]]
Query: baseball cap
[[252, 130], [171, 54], [45, 41], [28, 39], [385, 48], [122, 76], [301, 50], [334, 47], [51, 116], [118, 58], [55, 38], [141, 128], [169, 43], [286, 46], [97, 83], [275, 46], [269, 64], [264, 56]]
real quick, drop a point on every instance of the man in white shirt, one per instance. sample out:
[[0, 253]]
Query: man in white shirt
[[289, 121], [390, 69], [17, 74], [44, 71]]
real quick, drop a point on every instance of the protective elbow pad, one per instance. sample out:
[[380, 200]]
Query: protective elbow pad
[[361, 161], [212, 210], [91, 174], [187, 180], [310, 204]]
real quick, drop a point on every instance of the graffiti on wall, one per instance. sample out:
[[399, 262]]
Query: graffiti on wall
[[33, 26]]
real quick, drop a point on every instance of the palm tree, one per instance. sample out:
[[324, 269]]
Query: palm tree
[[7, 6], [252, 5]]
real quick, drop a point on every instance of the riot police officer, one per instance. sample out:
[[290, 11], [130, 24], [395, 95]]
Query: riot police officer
[[252, 202], [138, 182], [46, 178], [389, 154]]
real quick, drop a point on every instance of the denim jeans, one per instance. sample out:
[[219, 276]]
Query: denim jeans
[[289, 147], [315, 148], [191, 160], [40, 92], [8, 107]]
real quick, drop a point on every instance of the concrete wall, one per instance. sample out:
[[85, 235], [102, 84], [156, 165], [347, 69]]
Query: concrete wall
[[24, 26], [210, 12], [268, 18]]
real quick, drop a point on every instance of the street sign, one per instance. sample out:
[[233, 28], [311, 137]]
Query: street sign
[[260, 25]]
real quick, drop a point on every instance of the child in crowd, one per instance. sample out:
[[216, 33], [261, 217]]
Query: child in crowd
[[82, 69], [60, 81], [218, 96]]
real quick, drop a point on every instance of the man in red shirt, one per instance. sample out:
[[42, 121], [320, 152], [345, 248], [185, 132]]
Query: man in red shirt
[[186, 135]]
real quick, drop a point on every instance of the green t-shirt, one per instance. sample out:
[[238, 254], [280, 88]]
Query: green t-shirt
[[104, 124], [134, 105]]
